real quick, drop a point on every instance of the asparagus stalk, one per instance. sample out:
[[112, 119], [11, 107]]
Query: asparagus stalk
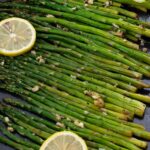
[[132, 38], [136, 54], [72, 3], [25, 105], [121, 23], [113, 68], [99, 76], [137, 96], [88, 29], [88, 131], [83, 77], [144, 4], [27, 133], [24, 132], [19, 115], [119, 4], [96, 145], [95, 88], [121, 143], [13, 144], [101, 130], [78, 38], [91, 114], [140, 8], [102, 51], [70, 16], [87, 73], [112, 3], [124, 12], [134, 141], [100, 12], [19, 140], [75, 115], [130, 20], [91, 86], [40, 133], [122, 104], [96, 70]]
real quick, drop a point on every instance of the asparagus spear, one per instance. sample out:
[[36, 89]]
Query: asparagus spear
[[124, 12], [13, 144], [100, 12], [134, 141], [22, 131], [95, 88], [27, 133], [102, 51], [100, 83], [95, 145], [112, 3], [123, 24], [121, 143], [95, 70], [137, 54], [40, 133], [88, 131], [73, 25], [79, 83], [44, 133], [19, 140], [144, 4], [72, 3], [123, 92]]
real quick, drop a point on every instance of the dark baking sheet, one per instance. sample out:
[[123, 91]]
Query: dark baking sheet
[[145, 120]]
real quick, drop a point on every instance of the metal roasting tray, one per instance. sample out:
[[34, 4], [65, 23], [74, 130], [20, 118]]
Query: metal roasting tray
[[145, 120]]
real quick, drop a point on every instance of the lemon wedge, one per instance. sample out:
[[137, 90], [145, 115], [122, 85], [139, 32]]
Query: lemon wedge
[[17, 36], [64, 140]]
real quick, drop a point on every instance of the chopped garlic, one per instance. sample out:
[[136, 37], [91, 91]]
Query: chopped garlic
[[50, 16], [73, 77], [89, 1], [35, 88], [74, 8], [115, 25], [86, 112], [59, 124], [2, 63], [99, 103], [40, 59], [59, 117], [68, 119], [33, 52], [6, 119], [79, 124], [10, 129], [108, 3]]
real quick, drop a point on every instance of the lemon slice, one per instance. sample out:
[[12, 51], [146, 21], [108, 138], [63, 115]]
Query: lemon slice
[[65, 140], [17, 36], [139, 1]]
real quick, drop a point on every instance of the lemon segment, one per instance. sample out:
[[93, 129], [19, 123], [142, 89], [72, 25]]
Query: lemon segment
[[65, 140], [17, 36]]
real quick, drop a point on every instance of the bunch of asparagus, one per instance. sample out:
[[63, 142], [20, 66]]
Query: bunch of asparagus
[[81, 75]]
